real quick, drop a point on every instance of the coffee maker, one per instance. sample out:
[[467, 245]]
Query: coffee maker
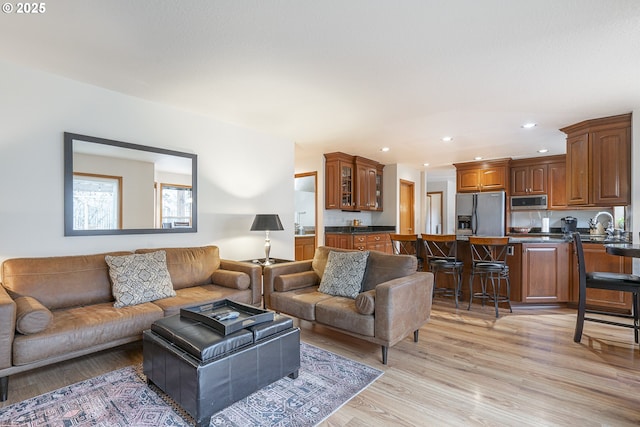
[[569, 225]]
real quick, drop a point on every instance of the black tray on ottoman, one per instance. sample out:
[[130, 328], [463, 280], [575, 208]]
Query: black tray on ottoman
[[205, 371], [248, 315]]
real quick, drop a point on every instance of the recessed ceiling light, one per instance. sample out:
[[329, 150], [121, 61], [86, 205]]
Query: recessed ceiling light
[[447, 138], [477, 158], [543, 150], [426, 164], [384, 149], [529, 125]]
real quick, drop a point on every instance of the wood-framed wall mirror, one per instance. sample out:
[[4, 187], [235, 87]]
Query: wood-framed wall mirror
[[305, 215], [435, 212], [116, 187]]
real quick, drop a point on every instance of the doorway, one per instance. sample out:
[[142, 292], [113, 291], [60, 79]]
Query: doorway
[[434, 212], [407, 207], [305, 215]]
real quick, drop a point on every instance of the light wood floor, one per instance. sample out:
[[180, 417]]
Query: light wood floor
[[468, 368]]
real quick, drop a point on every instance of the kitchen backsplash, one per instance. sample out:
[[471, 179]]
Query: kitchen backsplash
[[534, 218]]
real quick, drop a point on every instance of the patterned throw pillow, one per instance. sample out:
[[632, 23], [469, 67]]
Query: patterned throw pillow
[[139, 278], [343, 274]]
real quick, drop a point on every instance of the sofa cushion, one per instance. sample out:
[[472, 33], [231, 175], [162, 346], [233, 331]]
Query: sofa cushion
[[300, 303], [289, 282], [190, 266], [343, 273], [79, 328], [139, 278], [383, 267], [31, 316], [231, 279], [60, 282], [340, 312], [366, 302]]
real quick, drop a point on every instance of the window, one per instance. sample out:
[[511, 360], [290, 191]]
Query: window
[[175, 205], [97, 202]]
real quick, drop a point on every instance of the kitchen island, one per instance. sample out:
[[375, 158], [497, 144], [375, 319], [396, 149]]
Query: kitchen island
[[543, 271]]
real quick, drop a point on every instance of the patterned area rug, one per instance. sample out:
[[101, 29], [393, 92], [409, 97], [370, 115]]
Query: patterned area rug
[[122, 398]]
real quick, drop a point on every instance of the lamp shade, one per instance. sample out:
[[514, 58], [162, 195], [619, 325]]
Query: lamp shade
[[266, 222]]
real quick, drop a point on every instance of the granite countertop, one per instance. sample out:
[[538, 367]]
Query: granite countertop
[[306, 235], [350, 229], [555, 238]]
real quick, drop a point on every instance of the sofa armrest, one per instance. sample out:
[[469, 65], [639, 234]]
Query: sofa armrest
[[7, 327], [402, 306], [270, 273], [255, 274]]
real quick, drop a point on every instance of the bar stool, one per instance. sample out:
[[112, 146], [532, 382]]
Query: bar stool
[[442, 256], [489, 263], [406, 244]]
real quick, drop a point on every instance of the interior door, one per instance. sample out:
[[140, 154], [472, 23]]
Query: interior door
[[407, 210]]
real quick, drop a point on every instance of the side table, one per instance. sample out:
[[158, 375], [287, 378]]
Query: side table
[[260, 262]]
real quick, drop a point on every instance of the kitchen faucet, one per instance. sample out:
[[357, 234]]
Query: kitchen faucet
[[611, 228]]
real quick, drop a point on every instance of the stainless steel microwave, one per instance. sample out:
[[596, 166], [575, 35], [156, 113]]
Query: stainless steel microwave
[[521, 203]]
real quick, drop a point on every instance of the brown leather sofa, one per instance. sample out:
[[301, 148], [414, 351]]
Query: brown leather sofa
[[396, 299], [76, 293]]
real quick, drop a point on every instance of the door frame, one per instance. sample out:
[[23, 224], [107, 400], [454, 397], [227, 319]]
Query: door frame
[[314, 174], [410, 205]]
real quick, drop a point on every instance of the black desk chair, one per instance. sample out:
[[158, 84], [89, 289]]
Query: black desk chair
[[603, 280], [441, 251], [489, 263]]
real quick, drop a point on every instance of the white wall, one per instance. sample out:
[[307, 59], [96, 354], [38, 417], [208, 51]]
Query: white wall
[[240, 172]]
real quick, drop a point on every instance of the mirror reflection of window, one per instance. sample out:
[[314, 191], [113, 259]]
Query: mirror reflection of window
[[97, 201], [176, 206]]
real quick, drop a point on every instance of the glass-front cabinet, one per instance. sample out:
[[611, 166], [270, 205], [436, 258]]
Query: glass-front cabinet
[[352, 183]]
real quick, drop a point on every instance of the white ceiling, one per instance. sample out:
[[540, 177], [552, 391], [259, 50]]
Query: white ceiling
[[355, 75]]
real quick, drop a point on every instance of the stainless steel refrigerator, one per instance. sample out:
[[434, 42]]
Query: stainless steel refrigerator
[[481, 214]]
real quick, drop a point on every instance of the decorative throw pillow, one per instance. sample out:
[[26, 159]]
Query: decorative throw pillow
[[366, 302], [343, 273], [139, 278], [31, 316]]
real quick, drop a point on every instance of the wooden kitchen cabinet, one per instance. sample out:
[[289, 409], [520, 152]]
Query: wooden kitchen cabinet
[[597, 259], [366, 173], [599, 162], [545, 272], [528, 179], [338, 240], [490, 175], [352, 183], [339, 181], [305, 247], [557, 184], [360, 241]]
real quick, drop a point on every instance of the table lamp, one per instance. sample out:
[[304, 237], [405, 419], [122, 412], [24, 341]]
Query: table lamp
[[266, 223]]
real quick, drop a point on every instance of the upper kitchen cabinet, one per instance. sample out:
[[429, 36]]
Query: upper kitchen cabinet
[[491, 175], [528, 177], [352, 183], [557, 183], [541, 175], [599, 162]]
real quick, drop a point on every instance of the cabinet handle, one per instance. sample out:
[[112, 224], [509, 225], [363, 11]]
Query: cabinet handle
[[377, 238]]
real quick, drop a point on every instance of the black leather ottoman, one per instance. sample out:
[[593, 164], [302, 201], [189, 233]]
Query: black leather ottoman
[[204, 371]]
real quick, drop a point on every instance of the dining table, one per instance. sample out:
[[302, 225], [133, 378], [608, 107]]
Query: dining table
[[623, 249]]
